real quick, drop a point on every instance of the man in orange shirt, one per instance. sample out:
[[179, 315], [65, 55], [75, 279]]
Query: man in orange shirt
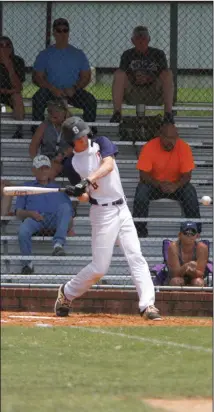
[[165, 164]]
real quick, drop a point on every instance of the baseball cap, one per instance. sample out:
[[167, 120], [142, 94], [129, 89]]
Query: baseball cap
[[74, 128], [185, 226], [140, 31], [60, 22], [41, 160]]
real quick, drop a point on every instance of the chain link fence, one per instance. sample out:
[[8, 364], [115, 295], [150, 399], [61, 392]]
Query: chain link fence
[[183, 32]]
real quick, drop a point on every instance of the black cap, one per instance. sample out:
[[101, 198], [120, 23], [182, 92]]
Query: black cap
[[60, 22], [140, 31], [74, 128], [188, 226]]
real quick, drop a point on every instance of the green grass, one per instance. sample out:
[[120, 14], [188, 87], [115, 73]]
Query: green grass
[[103, 92], [57, 369]]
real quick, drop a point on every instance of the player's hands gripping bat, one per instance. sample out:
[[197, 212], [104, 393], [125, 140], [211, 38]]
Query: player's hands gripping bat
[[78, 189]]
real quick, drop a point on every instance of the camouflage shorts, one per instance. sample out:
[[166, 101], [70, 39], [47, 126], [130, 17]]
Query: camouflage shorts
[[151, 94], [140, 129]]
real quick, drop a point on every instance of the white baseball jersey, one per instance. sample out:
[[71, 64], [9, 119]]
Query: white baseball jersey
[[108, 188]]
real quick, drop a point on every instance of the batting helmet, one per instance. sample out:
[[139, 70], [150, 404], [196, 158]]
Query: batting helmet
[[74, 128]]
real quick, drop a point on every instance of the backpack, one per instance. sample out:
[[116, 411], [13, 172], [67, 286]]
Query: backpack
[[161, 272]]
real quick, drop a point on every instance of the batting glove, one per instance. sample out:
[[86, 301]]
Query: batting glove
[[81, 187], [69, 190]]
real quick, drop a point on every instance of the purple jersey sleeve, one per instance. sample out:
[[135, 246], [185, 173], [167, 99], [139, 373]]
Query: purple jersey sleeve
[[107, 148], [70, 172]]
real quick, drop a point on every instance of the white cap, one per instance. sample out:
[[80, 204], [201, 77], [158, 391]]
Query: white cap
[[41, 160]]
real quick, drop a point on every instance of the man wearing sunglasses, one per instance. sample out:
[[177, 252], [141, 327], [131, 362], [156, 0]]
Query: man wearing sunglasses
[[62, 70], [12, 76], [187, 257]]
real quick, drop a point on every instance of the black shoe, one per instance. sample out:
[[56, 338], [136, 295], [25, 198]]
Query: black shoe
[[58, 251], [18, 134], [116, 117], [27, 270]]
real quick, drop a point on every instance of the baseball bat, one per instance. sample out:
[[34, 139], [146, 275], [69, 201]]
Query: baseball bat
[[29, 190]]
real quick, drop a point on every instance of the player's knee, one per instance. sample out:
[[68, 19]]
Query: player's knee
[[100, 269], [176, 282], [197, 282]]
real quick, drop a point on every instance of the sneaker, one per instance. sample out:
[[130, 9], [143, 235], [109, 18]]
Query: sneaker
[[27, 270], [116, 117], [151, 313], [62, 304], [58, 251]]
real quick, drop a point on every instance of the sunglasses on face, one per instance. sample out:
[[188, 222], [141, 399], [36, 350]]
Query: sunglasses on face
[[65, 30], [4, 45], [191, 232]]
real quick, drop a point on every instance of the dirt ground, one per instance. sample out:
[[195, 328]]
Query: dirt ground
[[182, 405], [102, 320], [99, 320]]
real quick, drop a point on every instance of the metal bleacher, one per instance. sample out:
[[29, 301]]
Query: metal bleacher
[[163, 220]]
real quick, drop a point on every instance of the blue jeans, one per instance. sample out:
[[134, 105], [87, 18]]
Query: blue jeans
[[58, 221]]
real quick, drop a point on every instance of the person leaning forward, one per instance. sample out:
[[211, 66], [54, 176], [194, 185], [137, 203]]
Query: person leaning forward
[[165, 165], [63, 71]]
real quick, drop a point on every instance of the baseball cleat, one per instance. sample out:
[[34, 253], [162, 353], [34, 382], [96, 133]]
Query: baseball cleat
[[62, 304], [151, 313]]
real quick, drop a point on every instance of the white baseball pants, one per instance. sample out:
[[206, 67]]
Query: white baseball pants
[[111, 224]]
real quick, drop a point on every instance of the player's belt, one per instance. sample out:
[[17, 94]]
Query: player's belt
[[117, 202]]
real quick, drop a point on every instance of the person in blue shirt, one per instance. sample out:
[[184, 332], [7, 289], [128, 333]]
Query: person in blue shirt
[[52, 211], [62, 70]]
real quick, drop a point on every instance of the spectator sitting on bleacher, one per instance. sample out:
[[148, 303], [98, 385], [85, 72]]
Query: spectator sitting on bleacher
[[165, 164], [62, 70], [143, 77], [47, 138], [12, 75], [187, 257], [6, 201], [52, 211]]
